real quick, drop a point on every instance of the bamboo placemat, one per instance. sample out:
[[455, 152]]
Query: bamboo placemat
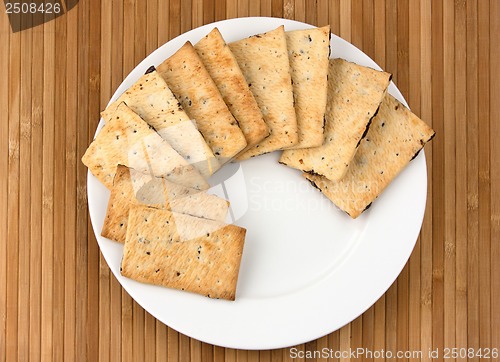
[[58, 299]]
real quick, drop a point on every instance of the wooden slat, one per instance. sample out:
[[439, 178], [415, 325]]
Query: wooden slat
[[126, 327], [105, 94], [449, 171], [186, 20], [277, 355], [242, 8], [59, 300], [149, 337], [472, 179], [230, 355], [391, 65], [426, 233], [402, 71], [152, 26], [299, 9], [104, 311], [128, 36], [484, 247], [460, 172], [208, 12], [195, 351], [345, 341], [367, 331], [277, 8], [184, 348], [391, 317], [379, 33], [196, 13], [128, 61], [82, 139], [253, 356], [138, 313], [4, 181], [357, 23], [220, 9], [378, 325], [495, 170], [334, 16], [161, 342], [93, 110], [219, 353], [438, 173], [310, 13], [115, 350], [322, 13], [413, 99], [254, 8], [265, 7], [70, 188], [207, 352], [59, 190], [368, 28], [391, 30], [25, 189], [48, 191], [232, 9], [173, 345], [163, 16], [11, 329], [345, 19]]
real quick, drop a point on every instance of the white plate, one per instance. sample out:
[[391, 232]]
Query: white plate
[[307, 268]]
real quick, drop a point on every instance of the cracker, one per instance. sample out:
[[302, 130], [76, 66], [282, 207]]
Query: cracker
[[354, 95], [127, 140], [188, 79], [263, 60], [224, 70], [155, 103], [134, 188], [183, 252], [395, 137], [308, 53]]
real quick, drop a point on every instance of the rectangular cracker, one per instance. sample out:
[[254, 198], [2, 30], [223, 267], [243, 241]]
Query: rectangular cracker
[[127, 140], [183, 252], [395, 137], [263, 60], [131, 187], [308, 53], [155, 103], [188, 79], [224, 70], [354, 95]]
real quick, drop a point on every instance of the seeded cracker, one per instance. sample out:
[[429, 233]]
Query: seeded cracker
[[127, 140], [309, 52], [134, 188], [393, 140], [183, 252], [151, 99], [224, 70], [354, 95], [188, 79], [263, 60]]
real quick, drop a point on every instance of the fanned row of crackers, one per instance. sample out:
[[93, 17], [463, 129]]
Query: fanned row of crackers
[[369, 137], [213, 102]]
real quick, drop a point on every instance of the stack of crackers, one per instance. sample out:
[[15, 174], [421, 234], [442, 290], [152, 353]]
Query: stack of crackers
[[213, 102]]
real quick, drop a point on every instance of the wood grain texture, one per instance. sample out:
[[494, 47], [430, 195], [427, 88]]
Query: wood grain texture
[[58, 299]]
